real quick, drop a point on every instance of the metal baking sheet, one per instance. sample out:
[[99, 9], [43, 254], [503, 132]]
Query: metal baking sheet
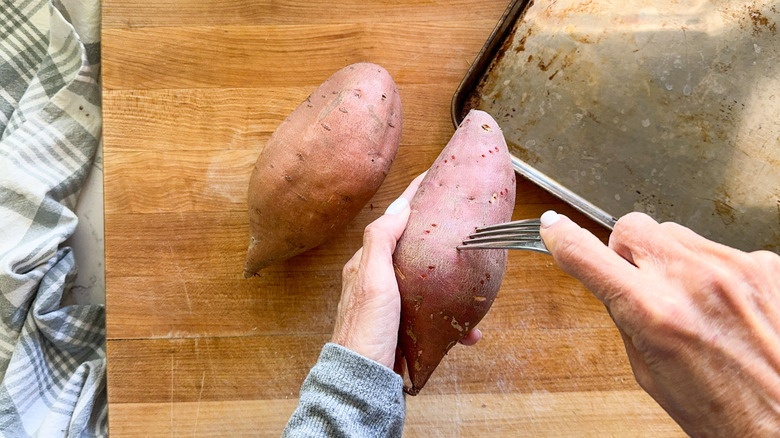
[[667, 107]]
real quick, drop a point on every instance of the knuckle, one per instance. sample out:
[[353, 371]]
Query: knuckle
[[716, 279], [766, 260], [372, 232], [660, 321], [670, 227], [644, 379], [663, 316], [630, 225], [760, 270], [378, 236], [350, 268], [632, 221], [672, 231]]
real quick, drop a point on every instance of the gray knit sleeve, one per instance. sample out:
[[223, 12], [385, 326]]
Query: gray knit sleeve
[[348, 395]]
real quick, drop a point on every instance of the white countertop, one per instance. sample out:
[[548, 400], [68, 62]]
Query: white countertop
[[87, 241]]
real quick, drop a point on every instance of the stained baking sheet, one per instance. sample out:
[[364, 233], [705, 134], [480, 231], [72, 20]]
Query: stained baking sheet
[[667, 107]]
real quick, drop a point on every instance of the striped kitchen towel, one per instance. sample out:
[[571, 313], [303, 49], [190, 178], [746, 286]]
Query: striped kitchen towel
[[52, 356]]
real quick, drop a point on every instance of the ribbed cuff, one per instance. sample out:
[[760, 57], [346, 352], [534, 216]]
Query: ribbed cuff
[[346, 394]]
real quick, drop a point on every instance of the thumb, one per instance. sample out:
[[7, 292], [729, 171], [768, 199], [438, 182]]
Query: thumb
[[381, 236], [583, 256]]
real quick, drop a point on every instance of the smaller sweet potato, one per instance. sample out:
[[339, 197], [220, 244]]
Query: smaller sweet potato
[[446, 292], [323, 164]]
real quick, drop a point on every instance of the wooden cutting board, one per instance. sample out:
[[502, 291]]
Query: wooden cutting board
[[192, 90]]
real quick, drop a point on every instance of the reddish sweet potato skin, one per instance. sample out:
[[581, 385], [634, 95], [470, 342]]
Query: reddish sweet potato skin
[[323, 164], [446, 292]]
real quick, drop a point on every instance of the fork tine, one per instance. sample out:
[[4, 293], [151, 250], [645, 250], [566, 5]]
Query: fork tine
[[536, 247], [529, 227], [523, 223], [503, 238], [505, 232], [522, 234]]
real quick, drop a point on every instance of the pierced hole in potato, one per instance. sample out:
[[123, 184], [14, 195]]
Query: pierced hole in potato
[[487, 128]]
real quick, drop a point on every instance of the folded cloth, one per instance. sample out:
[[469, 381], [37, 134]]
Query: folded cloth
[[52, 356]]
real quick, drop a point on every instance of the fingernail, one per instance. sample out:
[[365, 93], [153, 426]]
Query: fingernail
[[397, 206], [548, 218]]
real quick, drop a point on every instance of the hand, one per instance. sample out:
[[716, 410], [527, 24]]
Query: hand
[[369, 311], [700, 321]]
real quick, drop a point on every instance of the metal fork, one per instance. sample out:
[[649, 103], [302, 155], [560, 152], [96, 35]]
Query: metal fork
[[522, 234]]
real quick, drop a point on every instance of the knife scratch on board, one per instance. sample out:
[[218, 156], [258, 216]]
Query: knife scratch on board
[[200, 397], [173, 359]]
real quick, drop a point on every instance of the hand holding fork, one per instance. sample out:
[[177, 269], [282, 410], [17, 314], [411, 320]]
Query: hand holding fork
[[700, 321]]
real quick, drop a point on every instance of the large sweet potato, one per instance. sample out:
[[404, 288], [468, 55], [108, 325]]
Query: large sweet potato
[[323, 164], [446, 292]]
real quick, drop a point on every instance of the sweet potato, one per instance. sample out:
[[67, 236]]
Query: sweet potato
[[323, 164], [445, 292]]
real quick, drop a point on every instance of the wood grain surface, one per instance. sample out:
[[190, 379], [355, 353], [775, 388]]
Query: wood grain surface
[[192, 90]]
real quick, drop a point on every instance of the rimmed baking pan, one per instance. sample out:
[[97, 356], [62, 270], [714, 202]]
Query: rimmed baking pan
[[666, 107]]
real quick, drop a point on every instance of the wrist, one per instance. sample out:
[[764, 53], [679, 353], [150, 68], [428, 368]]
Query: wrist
[[368, 350]]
